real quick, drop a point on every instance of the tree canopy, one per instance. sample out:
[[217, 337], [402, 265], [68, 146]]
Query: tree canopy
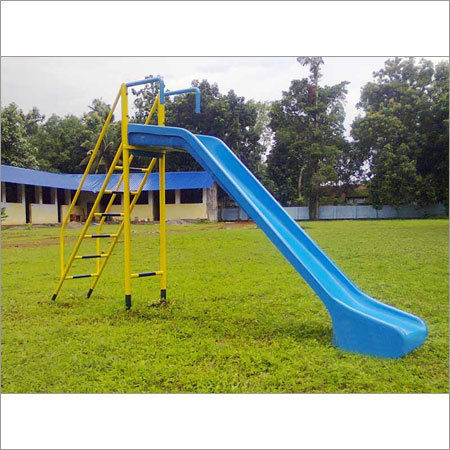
[[17, 148], [403, 135], [228, 117], [296, 145], [309, 143]]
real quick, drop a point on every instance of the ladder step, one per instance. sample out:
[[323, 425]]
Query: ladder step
[[120, 192], [146, 274], [103, 255], [96, 236], [109, 214], [87, 275], [139, 169]]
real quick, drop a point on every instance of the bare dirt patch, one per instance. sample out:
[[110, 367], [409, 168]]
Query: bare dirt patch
[[43, 242]]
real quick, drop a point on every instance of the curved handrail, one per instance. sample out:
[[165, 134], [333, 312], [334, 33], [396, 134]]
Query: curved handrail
[[184, 91], [150, 80]]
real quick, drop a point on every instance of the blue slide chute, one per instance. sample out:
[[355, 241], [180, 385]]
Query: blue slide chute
[[360, 323]]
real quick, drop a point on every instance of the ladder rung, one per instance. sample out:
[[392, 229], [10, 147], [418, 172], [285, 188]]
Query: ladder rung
[[146, 274], [120, 192], [132, 168], [103, 255], [109, 214], [87, 275], [96, 236]]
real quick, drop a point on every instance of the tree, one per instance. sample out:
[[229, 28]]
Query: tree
[[17, 148], [262, 125], [403, 135], [228, 117], [60, 144], [309, 145], [433, 160], [94, 121]]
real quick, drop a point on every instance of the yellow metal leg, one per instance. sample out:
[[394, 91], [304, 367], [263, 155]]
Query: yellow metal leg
[[162, 224], [126, 198]]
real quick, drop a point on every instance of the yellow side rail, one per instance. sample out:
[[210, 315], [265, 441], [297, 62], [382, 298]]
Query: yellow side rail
[[87, 223], [83, 179]]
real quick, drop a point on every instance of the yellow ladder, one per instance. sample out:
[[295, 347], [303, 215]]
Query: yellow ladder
[[128, 203]]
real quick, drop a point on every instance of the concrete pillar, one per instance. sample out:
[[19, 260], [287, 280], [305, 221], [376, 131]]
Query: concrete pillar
[[38, 191], [67, 197], [150, 206], [211, 203], [3, 192], [204, 196], [177, 196], [21, 194]]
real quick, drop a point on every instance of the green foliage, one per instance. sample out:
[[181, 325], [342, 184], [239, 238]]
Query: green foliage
[[228, 117], [60, 144], [17, 147], [3, 213], [94, 121], [240, 319], [403, 136], [295, 146], [262, 125], [309, 149]]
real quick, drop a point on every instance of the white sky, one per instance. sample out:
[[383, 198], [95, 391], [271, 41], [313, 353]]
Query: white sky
[[67, 85]]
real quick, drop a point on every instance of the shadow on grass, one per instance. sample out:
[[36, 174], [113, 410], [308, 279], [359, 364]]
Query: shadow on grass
[[255, 329]]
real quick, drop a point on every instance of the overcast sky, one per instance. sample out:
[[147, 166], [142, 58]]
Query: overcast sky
[[64, 85]]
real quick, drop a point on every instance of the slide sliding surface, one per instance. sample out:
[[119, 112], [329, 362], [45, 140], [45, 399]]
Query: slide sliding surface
[[360, 323]]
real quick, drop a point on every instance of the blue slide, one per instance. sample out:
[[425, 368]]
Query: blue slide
[[360, 323]]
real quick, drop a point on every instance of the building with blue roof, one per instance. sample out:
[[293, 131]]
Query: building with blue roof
[[38, 197]]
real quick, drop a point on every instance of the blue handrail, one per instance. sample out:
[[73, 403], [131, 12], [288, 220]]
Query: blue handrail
[[145, 81], [150, 80], [184, 91]]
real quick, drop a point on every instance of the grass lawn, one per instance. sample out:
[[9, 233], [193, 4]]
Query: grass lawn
[[240, 319]]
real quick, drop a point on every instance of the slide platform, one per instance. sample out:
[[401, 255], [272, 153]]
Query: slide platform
[[360, 323]]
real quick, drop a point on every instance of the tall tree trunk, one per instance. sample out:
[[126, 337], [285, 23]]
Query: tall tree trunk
[[314, 206], [300, 182]]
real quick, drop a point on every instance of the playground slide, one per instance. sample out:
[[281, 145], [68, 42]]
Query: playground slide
[[360, 323]]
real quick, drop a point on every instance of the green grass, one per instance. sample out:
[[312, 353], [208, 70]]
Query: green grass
[[240, 319]]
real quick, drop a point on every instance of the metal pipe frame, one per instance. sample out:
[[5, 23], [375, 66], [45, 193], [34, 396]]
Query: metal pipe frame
[[128, 204], [195, 90], [65, 268]]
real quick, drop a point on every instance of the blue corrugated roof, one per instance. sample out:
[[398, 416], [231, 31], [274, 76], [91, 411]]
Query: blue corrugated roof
[[93, 183]]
